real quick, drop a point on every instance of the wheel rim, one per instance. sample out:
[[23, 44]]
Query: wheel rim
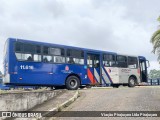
[[73, 83], [132, 81]]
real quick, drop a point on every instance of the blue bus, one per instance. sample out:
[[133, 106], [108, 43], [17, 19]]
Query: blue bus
[[32, 63]]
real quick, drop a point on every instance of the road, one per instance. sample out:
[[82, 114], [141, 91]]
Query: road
[[116, 99]]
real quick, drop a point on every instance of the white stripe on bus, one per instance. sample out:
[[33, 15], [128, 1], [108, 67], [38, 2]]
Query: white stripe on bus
[[105, 76], [96, 75]]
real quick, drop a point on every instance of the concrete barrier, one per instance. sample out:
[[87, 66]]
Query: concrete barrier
[[20, 101]]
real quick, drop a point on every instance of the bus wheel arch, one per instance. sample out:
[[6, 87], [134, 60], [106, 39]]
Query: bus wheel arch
[[73, 81], [132, 81]]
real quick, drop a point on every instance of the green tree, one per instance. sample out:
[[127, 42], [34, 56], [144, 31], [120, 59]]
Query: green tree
[[155, 40], [154, 74]]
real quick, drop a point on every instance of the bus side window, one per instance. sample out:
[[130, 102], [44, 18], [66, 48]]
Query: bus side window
[[29, 58], [27, 52], [75, 56], [89, 61], [53, 55], [109, 60], [70, 60], [37, 58], [19, 47], [112, 63], [24, 57], [132, 62], [96, 62], [121, 61], [47, 58], [59, 59]]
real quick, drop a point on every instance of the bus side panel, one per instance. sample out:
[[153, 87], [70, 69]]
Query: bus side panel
[[121, 75], [27, 72], [136, 73], [68, 69], [113, 73], [106, 78], [46, 74], [40, 73], [125, 73], [34, 73]]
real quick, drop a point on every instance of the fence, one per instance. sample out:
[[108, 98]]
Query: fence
[[155, 81]]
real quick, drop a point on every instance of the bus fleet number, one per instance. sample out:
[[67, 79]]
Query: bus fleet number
[[26, 67]]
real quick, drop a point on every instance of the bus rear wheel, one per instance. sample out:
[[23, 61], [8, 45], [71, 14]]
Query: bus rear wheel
[[72, 83], [131, 82]]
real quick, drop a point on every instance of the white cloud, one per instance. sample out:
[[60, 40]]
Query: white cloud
[[120, 26], [154, 65]]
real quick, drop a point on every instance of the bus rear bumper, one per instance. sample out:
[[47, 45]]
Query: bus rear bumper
[[6, 79]]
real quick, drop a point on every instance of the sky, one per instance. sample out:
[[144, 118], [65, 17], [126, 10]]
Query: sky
[[123, 26]]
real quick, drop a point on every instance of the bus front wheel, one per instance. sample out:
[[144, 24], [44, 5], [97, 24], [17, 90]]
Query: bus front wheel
[[131, 82], [72, 83]]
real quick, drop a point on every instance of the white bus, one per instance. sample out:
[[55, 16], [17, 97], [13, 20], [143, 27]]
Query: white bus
[[125, 69]]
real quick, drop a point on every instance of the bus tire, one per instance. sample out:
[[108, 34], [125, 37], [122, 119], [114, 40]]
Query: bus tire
[[72, 83], [131, 82]]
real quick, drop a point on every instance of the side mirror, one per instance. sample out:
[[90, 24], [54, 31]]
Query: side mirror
[[147, 64]]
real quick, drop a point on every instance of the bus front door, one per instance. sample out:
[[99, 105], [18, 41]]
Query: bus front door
[[143, 71], [93, 70]]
